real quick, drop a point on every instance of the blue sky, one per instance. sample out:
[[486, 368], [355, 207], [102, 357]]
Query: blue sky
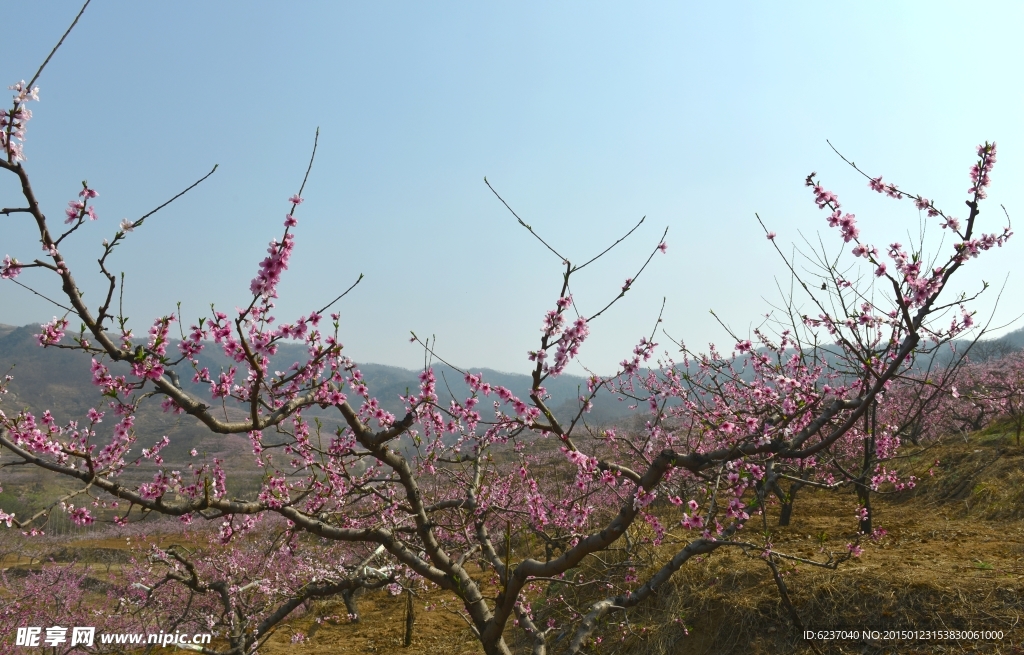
[[585, 116]]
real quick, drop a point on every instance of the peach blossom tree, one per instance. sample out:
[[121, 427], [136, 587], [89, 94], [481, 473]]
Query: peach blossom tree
[[465, 494]]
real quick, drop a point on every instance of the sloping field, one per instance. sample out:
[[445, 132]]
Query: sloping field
[[952, 559]]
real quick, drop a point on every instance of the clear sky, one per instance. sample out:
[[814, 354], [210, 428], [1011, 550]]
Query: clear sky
[[584, 116]]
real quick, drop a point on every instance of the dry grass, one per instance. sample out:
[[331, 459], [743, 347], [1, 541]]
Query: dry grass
[[953, 559], [382, 629]]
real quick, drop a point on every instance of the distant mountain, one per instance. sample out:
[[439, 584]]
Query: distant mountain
[[1014, 339], [60, 380], [986, 349]]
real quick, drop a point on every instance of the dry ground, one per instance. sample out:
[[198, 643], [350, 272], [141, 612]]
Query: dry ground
[[953, 559]]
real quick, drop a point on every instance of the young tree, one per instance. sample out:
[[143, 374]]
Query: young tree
[[449, 490]]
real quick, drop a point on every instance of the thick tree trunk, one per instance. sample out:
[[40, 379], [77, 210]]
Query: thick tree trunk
[[496, 647], [787, 504], [349, 596], [410, 618], [786, 515]]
